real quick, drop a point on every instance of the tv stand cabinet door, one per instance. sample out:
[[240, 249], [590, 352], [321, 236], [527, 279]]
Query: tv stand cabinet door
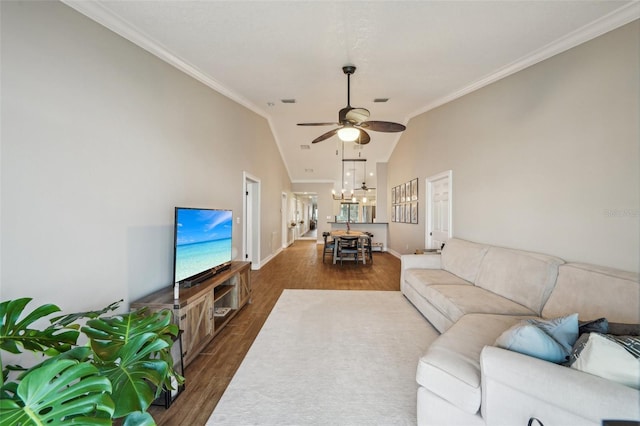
[[196, 322], [244, 286]]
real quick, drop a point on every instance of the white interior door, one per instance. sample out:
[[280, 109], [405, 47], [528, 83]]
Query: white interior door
[[439, 209]]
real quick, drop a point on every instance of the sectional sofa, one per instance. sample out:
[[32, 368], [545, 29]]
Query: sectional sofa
[[480, 297]]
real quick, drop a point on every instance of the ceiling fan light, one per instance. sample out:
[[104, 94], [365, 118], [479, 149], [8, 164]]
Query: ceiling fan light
[[348, 134]]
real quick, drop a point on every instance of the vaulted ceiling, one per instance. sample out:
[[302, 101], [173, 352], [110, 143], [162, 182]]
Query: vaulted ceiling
[[416, 54]]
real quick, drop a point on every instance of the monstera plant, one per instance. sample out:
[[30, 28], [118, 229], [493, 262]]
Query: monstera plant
[[116, 375]]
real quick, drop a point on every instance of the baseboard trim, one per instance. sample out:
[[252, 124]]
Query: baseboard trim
[[393, 252]]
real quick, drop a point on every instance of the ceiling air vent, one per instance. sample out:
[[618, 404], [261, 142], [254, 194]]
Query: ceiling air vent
[[288, 101], [303, 147], [380, 100]]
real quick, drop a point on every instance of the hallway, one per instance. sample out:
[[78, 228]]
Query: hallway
[[311, 234]]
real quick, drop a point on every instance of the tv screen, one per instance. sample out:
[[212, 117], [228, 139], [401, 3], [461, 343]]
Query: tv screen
[[202, 243]]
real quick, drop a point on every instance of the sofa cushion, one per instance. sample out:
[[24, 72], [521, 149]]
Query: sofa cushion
[[595, 292], [454, 301], [524, 277], [419, 278], [451, 366], [463, 258]]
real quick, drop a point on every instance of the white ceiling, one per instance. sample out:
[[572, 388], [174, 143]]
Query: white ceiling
[[419, 54]]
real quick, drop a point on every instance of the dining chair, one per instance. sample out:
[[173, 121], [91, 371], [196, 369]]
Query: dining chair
[[367, 246], [347, 246], [329, 245]]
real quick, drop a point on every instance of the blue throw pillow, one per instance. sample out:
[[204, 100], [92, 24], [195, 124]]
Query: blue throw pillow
[[531, 340], [564, 330]]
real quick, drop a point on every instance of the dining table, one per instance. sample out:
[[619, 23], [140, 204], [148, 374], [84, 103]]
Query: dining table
[[336, 234]]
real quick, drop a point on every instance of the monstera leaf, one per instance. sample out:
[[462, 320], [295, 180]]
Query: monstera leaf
[[59, 392], [131, 376], [131, 350], [139, 419], [124, 367], [70, 319], [16, 332], [109, 335]]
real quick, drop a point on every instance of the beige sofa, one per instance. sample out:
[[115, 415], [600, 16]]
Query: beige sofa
[[472, 293]]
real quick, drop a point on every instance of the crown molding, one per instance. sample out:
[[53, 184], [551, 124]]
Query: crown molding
[[98, 13], [609, 22]]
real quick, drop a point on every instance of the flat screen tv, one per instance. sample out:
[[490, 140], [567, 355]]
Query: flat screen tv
[[202, 240]]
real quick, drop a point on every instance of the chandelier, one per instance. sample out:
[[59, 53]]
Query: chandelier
[[342, 196]]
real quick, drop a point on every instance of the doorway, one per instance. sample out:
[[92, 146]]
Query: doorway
[[251, 213], [305, 214], [439, 209]]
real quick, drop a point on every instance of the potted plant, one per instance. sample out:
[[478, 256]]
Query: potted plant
[[116, 375]]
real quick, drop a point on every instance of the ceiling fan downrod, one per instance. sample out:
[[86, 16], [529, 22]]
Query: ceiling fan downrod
[[348, 70]]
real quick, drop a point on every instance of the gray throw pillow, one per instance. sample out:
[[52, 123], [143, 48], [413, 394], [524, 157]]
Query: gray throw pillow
[[600, 325], [620, 329]]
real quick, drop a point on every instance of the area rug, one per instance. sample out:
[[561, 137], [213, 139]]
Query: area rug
[[326, 357]]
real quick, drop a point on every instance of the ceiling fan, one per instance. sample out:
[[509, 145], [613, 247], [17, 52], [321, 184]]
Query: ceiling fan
[[364, 187], [352, 121]]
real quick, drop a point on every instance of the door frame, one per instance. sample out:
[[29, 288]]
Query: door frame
[[429, 213], [285, 222], [251, 223]]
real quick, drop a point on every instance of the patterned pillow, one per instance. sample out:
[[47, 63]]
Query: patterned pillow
[[615, 358]]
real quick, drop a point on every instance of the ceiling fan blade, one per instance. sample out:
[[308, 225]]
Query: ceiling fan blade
[[383, 126], [325, 135], [357, 115], [318, 124], [342, 114], [364, 138]]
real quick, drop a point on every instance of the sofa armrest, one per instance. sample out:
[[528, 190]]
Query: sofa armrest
[[420, 261], [516, 387]]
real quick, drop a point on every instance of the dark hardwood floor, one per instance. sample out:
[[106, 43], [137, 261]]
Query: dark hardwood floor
[[297, 267]]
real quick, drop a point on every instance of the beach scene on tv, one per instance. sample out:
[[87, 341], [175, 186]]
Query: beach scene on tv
[[203, 240]]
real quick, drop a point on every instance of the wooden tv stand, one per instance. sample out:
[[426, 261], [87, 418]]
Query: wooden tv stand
[[204, 309]]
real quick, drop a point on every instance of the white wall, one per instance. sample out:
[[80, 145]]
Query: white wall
[[545, 160], [100, 140], [383, 193]]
